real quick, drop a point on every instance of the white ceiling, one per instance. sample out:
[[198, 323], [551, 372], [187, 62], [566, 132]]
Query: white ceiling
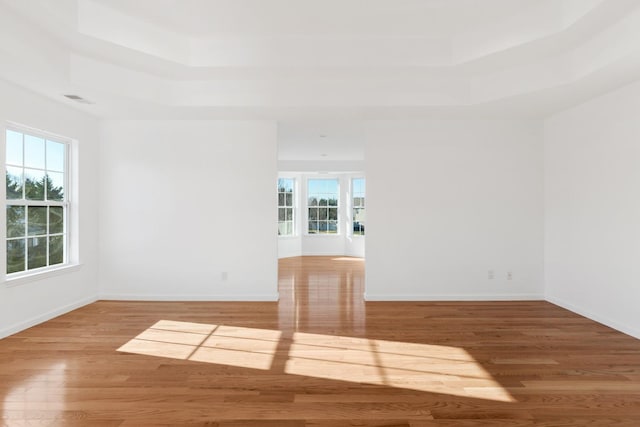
[[203, 18], [335, 140], [325, 62]]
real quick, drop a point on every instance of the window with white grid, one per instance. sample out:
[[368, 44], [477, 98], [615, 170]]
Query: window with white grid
[[36, 173]]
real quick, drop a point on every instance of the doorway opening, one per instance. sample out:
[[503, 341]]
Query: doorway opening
[[321, 203]]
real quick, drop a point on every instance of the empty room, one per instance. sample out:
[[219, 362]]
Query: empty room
[[289, 213]]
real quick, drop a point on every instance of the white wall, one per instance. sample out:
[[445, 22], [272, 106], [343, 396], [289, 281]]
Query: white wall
[[447, 201], [183, 203], [289, 246], [30, 302], [592, 209]]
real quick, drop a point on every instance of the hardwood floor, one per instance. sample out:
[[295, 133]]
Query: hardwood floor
[[320, 357]]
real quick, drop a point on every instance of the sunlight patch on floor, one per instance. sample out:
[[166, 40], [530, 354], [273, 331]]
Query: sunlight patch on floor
[[414, 366], [226, 345], [422, 367]]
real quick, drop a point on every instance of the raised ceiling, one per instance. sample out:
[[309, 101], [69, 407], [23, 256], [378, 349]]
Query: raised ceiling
[[206, 18], [302, 59]]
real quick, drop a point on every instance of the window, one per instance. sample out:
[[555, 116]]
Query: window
[[36, 201], [285, 207], [322, 204], [358, 194]]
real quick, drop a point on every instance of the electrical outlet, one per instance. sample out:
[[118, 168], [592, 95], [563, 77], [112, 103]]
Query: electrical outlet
[[490, 274], [509, 275], [224, 275]]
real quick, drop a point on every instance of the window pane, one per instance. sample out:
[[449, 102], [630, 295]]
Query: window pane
[[14, 148], [36, 252], [55, 186], [56, 219], [358, 186], [358, 206], [56, 250], [33, 152], [285, 228], [15, 221], [333, 214], [323, 193], [285, 185], [37, 216], [35, 173], [282, 229], [285, 204], [314, 186], [15, 256], [14, 183], [34, 184], [55, 156], [332, 186]]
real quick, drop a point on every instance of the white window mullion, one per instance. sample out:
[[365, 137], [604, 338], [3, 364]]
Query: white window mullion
[[26, 240], [47, 236]]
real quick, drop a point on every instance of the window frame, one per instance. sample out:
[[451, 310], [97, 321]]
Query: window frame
[[353, 207], [66, 204], [293, 207], [337, 206]]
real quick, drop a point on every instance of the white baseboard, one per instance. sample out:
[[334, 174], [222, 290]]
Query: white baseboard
[[453, 297], [627, 329], [21, 326], [173, 297]]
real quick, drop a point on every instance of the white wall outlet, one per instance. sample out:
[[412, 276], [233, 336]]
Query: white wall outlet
[[490, 274], [509, 275], [224, 275]]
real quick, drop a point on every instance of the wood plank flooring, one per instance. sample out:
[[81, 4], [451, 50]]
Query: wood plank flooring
[[320, 357]]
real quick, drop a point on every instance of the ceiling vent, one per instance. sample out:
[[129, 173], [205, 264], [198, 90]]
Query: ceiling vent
[[79, 99]]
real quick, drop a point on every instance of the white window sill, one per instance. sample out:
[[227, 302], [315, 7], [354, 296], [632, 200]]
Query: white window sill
[[41, 275], [288, 237]]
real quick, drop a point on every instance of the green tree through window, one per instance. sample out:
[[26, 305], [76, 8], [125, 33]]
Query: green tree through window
[[36, 205]]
